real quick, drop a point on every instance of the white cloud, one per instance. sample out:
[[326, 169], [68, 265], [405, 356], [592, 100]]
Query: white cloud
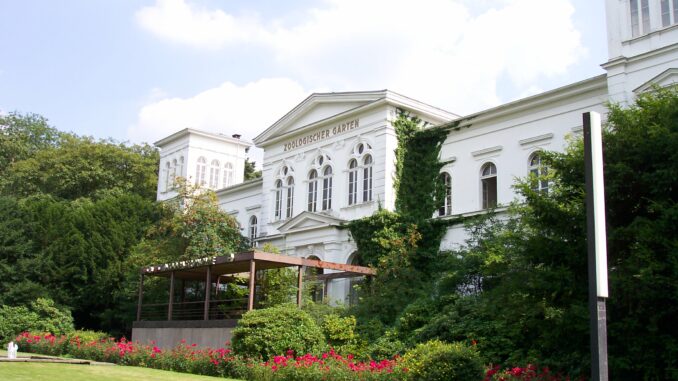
[[450, 53], [226, 109]]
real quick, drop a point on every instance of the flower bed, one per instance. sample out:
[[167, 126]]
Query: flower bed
[[214, 362], [528, 373]]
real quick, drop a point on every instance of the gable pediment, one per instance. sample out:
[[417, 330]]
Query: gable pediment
[[665, 79], [315, 109], [308, 221]]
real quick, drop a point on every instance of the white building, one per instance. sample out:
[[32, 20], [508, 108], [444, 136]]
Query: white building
[[331, 158]]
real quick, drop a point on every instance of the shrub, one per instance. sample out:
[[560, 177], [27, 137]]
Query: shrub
[[274, 331], [42, 316], [86, 336], [436, 360], [386, 346]]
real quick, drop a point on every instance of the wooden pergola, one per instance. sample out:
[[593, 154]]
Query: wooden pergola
[[212, 269]]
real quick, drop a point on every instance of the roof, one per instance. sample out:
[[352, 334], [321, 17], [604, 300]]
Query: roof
[[189, 131], [240, 263]]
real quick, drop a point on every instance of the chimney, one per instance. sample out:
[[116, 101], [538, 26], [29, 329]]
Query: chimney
[[236, 136]]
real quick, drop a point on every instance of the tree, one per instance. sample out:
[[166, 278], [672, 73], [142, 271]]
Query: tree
[[251, 172], [22, 135], [81, 167]]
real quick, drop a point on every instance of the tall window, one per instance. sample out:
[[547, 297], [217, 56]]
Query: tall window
[[290, 197], [669, 12], [367, 178], [278, 199], [200, 170], [312, 190], [180, 172], [446, 207], [167, 176], [488, 182], [538, 174], [173, 174], [640, 17], [214, 174], [228, 174], [253, 229], [352, 181], [327, 188]]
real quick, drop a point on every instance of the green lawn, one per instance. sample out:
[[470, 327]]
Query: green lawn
[[66, 372], [20, 371]]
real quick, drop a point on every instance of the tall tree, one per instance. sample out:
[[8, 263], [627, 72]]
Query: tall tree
[[22, 135]]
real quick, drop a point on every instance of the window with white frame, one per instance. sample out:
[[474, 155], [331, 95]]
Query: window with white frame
[[173, 174], [446, 207], [277, 207], [669, 11], [488, 183], [228, 174], [312, 190], [215, 168], [290, 197], [167, 176], [253, 230], [352, 181], [180, 172], [367, 178], [640, 17], [537, 173], [327, 188], [200, 170]]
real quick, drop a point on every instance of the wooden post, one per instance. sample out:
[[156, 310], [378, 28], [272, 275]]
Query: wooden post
[[208, 290], [170, 303], [300, 284], [253, 271], [325, 286], [141, 296]]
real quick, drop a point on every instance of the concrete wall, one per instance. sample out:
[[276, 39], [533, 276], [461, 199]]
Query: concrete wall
[[169, 334]]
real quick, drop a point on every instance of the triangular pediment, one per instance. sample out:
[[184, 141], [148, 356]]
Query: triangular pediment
[[318, 107], [308, 221], [665, 79]]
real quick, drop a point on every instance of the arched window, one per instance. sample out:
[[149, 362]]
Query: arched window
[[290, 197], [214, 174], [278, 199], [367, 178], [173, 174], [253, 230], [446, 207], [312, 190], [167, 176], [228, 174], [488, 182], [180, 172], [200, 170], [537, 173], [352, 181], [327, 188]]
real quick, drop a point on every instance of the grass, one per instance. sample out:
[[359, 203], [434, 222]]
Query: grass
[[68, 372], [26, 371]]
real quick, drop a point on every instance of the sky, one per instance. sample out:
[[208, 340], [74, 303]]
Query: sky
[[139, 70]]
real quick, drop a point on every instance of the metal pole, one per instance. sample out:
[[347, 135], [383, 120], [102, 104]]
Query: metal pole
[[597, 244], [253, 271], [208, 290], [171, 297], [141, 296]]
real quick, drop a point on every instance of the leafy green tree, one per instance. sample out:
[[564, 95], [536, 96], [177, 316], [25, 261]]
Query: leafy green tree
[[22, 135], [251, 172], [81, 167]]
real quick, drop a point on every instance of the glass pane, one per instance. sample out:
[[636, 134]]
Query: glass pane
[[635, 22], [645, 9], [666, 13]]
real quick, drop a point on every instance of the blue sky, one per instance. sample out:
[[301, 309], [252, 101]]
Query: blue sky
[[140, 70]]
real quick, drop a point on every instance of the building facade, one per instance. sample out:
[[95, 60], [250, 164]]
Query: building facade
[[331, 159]]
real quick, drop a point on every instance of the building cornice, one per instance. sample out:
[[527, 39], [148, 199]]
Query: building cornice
[[239, 187], [190, 131]]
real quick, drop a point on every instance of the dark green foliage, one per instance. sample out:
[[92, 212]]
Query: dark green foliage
[[40, 316], [273, 331], [251, 172], [21, 136], [386, 346], [438, 361]]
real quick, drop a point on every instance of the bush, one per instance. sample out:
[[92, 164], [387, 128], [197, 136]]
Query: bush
[[436, 360], [386, 346], [42, 316], [86, 336], [274, 331]]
